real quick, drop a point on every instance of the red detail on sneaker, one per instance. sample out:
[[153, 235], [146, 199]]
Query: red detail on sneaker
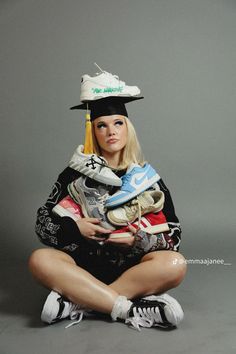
[[67, 207], [153, 223]]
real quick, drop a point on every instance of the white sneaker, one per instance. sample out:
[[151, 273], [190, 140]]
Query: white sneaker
[[57, 308], [150, 201], [94, 166], [105, 84]]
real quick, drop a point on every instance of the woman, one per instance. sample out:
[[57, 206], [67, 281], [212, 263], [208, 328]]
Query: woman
[[117, 277]]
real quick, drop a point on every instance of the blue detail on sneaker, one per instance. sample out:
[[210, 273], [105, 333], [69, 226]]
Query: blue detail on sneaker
[[135, 181]]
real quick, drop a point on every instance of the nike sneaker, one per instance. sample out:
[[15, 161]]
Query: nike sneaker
[[155, 311], [151, 223], [94, 167], [105, 84], [67, 207], [150, 201], [136, 180]]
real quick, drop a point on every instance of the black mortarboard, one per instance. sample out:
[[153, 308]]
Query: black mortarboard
[[107, 106]]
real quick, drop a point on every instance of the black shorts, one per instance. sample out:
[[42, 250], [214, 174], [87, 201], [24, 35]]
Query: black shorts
[[104, 263]]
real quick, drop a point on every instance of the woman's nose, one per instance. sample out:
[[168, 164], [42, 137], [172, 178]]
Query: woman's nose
[[111, 130]]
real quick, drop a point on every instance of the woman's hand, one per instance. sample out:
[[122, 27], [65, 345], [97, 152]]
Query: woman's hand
[[124, 241], [89, 228]]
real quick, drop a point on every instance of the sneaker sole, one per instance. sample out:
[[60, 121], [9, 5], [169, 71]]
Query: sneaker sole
[[97, 97]]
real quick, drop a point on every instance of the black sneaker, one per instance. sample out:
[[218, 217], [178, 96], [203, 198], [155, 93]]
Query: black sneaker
[[155, 311]]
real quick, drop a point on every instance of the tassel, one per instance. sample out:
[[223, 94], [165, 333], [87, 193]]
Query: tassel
[[88, 142]]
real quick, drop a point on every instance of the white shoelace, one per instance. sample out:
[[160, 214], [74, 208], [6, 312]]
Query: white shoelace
[[144, 317], [136, 205], [77, 314], [106, 72]]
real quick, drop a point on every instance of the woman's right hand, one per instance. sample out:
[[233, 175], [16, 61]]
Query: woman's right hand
[[90, 228]]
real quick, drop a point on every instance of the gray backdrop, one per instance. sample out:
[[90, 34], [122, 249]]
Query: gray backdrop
[[181, 54]]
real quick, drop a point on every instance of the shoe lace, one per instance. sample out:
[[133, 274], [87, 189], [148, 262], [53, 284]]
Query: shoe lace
[[132, 208], [102, 198], [106, 72], [144, 317], [92, 161], [77, 314], [126, 179]]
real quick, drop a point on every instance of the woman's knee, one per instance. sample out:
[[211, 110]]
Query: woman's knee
[[178, 267], [173, 265], [42, 260]]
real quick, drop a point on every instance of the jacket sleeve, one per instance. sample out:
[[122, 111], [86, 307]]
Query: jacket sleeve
[[53, 230], [169, 240]]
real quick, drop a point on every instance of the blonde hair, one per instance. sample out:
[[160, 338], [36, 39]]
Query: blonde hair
[[131, 153]]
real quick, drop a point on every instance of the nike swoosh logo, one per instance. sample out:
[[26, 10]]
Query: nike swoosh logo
[[140, 180]]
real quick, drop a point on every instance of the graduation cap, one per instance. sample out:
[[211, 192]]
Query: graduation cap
[[102, 107]]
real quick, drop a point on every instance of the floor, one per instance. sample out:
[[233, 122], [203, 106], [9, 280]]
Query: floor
[[206, 295]]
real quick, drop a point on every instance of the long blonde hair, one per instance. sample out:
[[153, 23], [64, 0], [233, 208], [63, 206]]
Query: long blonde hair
[[131, 153]]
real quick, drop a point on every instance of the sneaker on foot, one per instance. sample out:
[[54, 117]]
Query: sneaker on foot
[[94, 166], [136, 180], [91, 199], [155, 311], [104, 84], [57, 308], [150, 201]]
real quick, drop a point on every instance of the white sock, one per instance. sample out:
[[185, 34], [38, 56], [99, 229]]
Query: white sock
[[120, 308]]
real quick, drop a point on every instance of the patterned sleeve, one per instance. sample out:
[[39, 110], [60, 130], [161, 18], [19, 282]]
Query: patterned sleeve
[[53, 230], [169, 240]]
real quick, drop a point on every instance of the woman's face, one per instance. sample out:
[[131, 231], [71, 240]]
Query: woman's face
[[111, 133]]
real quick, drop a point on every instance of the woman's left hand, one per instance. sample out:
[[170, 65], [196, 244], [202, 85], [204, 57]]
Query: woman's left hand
[[124, 241]]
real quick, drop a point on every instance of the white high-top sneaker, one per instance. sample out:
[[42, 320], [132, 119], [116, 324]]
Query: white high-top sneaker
[[57, 308], [94, 166], [105, 84]]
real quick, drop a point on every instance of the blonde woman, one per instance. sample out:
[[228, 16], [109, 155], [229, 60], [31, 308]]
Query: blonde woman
[[125, 278]]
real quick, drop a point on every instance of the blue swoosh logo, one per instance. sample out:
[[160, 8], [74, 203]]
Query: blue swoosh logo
[[140, 180]]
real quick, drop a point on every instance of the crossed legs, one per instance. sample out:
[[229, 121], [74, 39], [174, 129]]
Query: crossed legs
[[156, 273]]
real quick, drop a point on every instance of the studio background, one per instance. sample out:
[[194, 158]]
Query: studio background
[[181, 54]]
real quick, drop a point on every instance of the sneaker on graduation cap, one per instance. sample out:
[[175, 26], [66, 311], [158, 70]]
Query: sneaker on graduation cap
[[105, 84], [94, 167], [136, 180], [155, 311], [150, 201], [57, 308]]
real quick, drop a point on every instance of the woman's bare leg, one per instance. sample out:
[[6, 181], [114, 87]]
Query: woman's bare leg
[[156, 273], [56, 270]]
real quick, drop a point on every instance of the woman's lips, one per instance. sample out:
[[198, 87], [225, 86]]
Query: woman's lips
[[112, 141]]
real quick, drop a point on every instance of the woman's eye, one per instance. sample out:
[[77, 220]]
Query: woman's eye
[[119, 122], [101, 125]]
